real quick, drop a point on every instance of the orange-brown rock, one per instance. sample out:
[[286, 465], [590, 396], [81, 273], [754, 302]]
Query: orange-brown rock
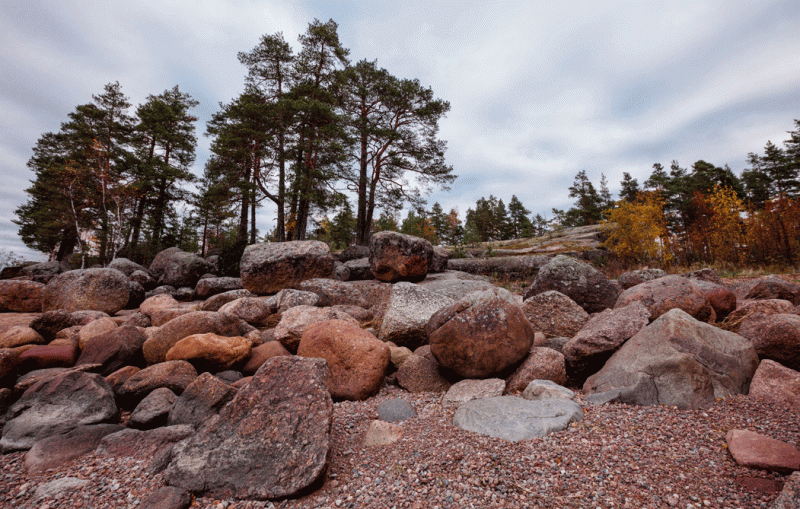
[[95, 328], [20, 335], [397, 257], [261, 354], [21, 296], [541, 364], [295, 320], [211, 352]]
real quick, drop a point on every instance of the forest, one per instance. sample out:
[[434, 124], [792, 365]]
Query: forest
[[338, 149]]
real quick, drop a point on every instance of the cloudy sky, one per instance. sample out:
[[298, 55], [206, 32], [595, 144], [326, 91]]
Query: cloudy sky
[[538, 90]]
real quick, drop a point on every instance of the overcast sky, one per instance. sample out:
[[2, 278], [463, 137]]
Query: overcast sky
[[538, 90]]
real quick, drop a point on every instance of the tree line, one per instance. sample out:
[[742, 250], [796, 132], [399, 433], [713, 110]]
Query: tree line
[[309, 130]]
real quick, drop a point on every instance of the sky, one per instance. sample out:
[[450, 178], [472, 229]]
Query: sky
[[538, 90]]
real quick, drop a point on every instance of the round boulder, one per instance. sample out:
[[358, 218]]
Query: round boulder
[[104, 290], [669, 292], [211, 352], [579, 281], [397, 257]]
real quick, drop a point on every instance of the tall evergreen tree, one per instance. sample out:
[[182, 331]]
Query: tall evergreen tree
[[588, 205], [521, 226], [629, 187]]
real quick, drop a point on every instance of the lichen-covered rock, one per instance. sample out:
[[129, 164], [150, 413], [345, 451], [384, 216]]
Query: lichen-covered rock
[[21, 296], [410, 307], [398, 257], [174, 267], [669, 292], [270, 267], [104, 290], [579, 281], [554, 314]]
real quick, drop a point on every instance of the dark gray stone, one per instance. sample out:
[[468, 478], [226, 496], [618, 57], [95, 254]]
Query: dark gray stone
[[396, 410]]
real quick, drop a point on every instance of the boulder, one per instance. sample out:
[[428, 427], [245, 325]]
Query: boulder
[[382, 433], [439, 260], [158, 302], [174, 375], [522, 267], [669, 292], [42, 272], [51, 323], [295, 320], [541, 364], [167, 497], [554, 314], [57, 405], [360, 314], [220, 299], [776, 383], [120, 376], [395, 410], [756, 308], [136, 295], [121, 346], [269, 267], [775, 337], [142, 444], [467, 390], [419, 374], [706, 274], [352, 253], [87, 316], [512, 418], [398, 354], [19, 335], [396, 257], [144, 279], [721, 299], [271, 441], [358, 270], [253, 310], [579, 281], [49, 356], [58, 488], [153, 410], [754, 450], [95, 328], [262, 353], [602, 335], [104, 290], [289, 298], [635, 277], [790, 495], [174, 267], [198, 322], [211, 352], [410, 308], [771, 287], [126, 266], [356, 293], [677, 361], [455, 288], [340, 271], [357, 360], [58, 450], [159, 317], [538, 390], [208, 287], [21, 296], [9, 362], [481, 334], [202, 399], [159, 290]]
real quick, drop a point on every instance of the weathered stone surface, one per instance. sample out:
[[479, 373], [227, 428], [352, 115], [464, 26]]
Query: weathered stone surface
[[208, 287], [51, 322], [201, 400], [136, 295], [481, 334], [9, 361], [253, 310], [289, 298], [513, 267], [21, 296], [706, 274], [776, 383], [159, 290], [410, 308], [754, 450], [538, 390], [49, 356], [357, 360], [677, 361], [56, 405], [142, 444], [166, 497], [219, 300], [382, 433], [554, 314], [721, 299], [636, 277], [455, 288], [360, 314], [119, 347], [269, 267], [756, 308], [468, 390], [126, 266], [118, 377], [540, 364], [58, 450], [579, 281], [271, 441], [771, 287], [199, 322], [669, 292], [790, 496], [95, 328], [262, 353], [87, 316], [159, 317], [211, 352], [602, 335], [99, 289], [398, 354], [294, 321], [143, 278], [418, 374], [174, 375], [775, 337], [43, 272], [19, 335], [359, 269], [153, 410], [157, 302], [512, 418], [174, 267], [396, 257], [396, 410], [58, 488]]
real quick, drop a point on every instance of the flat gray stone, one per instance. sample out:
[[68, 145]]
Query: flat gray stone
[[512, 418], [395, 410], [58, 487]]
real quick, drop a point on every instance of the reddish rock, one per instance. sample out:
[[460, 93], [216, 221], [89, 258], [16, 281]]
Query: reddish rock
[[9, 361], [357, 360], [253, 310], [289, 298], [271, 441], [174, 375], [635, 277], [790, 495], [397, 257], [775, 337], [159, 301], [119, 347], [720, 297], [49, 356], [418, 374], [57, 451], [118, 378], [756, 308], [142, 445], [355, 293], [270, 267], [50, 323], [468, 389], [215, 285], [95, 328], [480, 335], [219, 300], [579, 281], [201, 400], [670, 292], [19, 335], [360, 314], [771, 287], [754, 450], [295, 320], [776, 383], [211, 352], [97, 289], [541, 364], [261, 354], [382, 433], [167, 497], [554, 314], [21, 296]]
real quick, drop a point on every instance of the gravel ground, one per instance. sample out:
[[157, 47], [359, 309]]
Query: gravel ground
[[619, 456]]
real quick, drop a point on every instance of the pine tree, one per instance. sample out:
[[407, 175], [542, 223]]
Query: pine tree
[[629, 187], [521, 226]]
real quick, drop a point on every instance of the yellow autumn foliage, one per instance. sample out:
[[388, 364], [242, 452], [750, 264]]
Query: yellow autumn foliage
[[637, 231]]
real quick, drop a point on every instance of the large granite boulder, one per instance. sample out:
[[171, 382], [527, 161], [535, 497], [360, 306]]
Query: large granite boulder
[[554, 314], [721, 298], [513, 418], [201, 400], [294, 321], [197, 322], [356, 293], [421, 374], [19, 335], [126, 266], [481, 334], [635, 277], [43, 272], [577, 280], [410, 308], [398, 257], [357, 360], [756, 309], [677, 360], [50, 323], [98, 289], [174, 267], [271, 441], [153, 410], [770, 287], [669, 292], [775, 337], [113, 350], [57, 405], [174, 375], [777, 384], [58, 450], [21, 296], [220, 299], [269, 267], [210, 286], [253, 310]]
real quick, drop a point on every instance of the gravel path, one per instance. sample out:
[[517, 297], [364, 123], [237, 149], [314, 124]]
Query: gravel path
[[619, 456]]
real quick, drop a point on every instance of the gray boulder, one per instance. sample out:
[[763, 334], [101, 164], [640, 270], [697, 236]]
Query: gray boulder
[[358, 270], [201, 400], [125, 266], [410, 308], [153, 410], [512, 418], [210, 286], [669, 292], [579, 281], [104, 290], [270, 267], [174, 267]]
